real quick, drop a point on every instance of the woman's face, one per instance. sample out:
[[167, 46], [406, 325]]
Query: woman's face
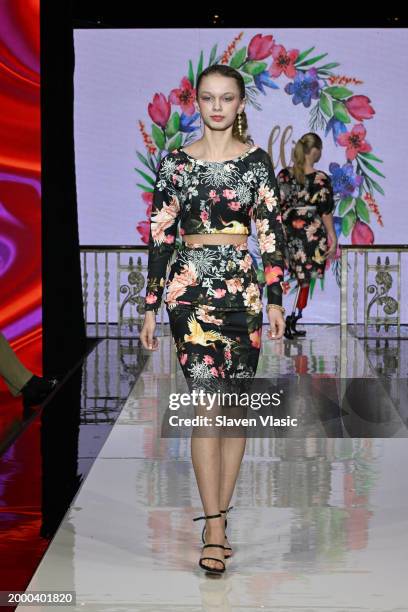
[[315, 154], [219, 101]]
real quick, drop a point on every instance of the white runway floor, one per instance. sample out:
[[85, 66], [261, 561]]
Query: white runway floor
[[319, 524]]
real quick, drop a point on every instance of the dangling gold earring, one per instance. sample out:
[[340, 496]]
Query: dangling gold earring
[[240, 124]]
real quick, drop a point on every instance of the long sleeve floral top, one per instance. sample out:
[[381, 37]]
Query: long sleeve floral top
[[215, 198]]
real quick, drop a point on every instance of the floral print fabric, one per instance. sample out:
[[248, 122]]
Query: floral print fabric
[[214, 198], [220, 277], [302, 208], [216, 316]]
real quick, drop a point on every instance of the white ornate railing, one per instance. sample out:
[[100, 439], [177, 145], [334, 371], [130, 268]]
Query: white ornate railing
[[113, 287], [372, 289]]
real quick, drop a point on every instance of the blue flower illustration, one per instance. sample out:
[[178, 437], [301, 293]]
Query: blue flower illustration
[[304, 88]]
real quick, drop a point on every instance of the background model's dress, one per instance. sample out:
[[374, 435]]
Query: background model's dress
[[302, 207], [212, 296]]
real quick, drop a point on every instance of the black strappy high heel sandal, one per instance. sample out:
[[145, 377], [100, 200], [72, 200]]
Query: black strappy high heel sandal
[[212, 570], [227, 548]]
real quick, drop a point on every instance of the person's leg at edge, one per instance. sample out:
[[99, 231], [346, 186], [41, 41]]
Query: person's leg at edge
[[299, 303]]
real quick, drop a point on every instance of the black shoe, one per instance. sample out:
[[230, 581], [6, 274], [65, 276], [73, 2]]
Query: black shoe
[[288, 328], [37, 389], [207, 568], [297, 332], [228, 549]]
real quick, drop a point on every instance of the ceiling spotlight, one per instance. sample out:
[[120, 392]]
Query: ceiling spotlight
[[216, 18]]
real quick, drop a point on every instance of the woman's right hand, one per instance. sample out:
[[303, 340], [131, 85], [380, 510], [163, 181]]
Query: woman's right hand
[[147, 338], [332, 247]]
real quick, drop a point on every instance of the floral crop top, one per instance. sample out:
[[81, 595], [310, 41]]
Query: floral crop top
[[207, 197]]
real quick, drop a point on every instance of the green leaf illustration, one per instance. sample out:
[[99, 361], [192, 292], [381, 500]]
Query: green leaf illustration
[[339, 93], [371, 167], [254, 68], [340, 112], [362, 210], [144, 188], [370, 156], [175, 143], [312, 60], [377, 186], [304, 54], [212, 55], [158, 137], [238, 59], [348, 222], [326, 104], [146, 177], [191, 73], [173, 125], [329, 66], [144, 160], [200, 66], [345, 205]]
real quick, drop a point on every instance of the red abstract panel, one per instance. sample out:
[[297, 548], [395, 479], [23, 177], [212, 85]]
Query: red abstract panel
[[20, 170]]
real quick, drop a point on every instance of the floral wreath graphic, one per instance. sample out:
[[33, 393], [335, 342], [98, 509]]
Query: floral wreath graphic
[[334, 109]]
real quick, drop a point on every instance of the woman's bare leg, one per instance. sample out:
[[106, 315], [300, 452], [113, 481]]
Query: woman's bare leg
[[232, 452], [206, 457]]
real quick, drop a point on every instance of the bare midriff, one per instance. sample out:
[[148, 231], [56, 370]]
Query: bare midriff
[[215, 239]]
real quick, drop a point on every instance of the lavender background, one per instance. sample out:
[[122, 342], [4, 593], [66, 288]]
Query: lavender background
[[118, 72]]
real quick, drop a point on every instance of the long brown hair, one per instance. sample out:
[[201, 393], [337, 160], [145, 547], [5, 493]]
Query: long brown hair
[[227, 71], [303, 146]]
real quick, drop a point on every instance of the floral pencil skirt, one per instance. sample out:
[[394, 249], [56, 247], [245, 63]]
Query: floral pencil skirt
[[215, 311]]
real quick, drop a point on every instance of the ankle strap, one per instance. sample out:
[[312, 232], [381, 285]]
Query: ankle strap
[[227, 510], [210, 516]]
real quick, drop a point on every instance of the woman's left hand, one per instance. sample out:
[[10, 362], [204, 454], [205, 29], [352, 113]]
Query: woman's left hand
[[277, 324], [331, 251]]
